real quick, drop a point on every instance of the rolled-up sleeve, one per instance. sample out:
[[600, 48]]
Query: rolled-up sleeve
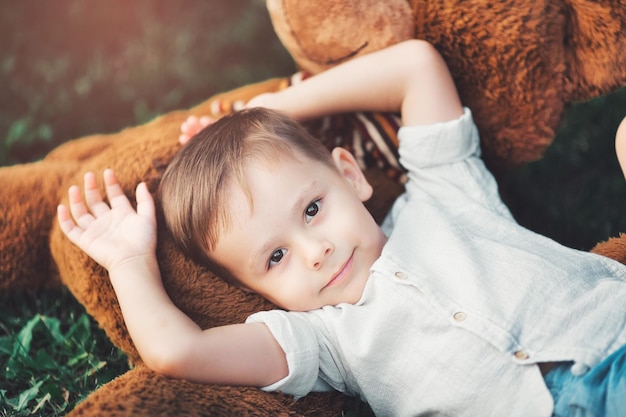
[[296, 336], [443, 161], [439, 143]]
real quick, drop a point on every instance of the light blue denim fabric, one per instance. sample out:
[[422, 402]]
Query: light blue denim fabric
[[601, 392]]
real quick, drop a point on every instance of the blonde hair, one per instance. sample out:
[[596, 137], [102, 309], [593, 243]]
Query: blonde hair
[[195, 188]]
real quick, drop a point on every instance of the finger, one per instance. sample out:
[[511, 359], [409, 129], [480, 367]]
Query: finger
[[216, 107], [93, 196], [78, 209], [206, 120], [239, 105], [68, 227], [145, 202], [183, 139], [188, 124], [115, 194]]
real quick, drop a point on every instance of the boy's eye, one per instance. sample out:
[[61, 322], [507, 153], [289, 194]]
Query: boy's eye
[[276, 257], [312, 210]]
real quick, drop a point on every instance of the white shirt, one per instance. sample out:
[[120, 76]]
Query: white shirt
[[462, 303]]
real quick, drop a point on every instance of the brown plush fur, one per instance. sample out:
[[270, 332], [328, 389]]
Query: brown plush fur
[[142, 393], [517, 64]]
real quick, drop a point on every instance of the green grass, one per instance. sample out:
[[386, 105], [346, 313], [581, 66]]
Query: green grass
[[52, 354], [72, 67]]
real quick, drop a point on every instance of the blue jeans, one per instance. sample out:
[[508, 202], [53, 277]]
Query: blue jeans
[[601, 392]]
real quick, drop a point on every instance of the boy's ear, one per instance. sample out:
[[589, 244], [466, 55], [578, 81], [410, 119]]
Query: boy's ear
[[349, 168]]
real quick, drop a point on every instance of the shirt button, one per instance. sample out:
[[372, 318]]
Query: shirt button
[[401, 275], [521, 355], [459, 316], [579, 369]]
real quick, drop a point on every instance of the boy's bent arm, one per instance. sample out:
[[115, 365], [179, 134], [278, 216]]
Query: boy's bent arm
[[170, 343], [410, 77]]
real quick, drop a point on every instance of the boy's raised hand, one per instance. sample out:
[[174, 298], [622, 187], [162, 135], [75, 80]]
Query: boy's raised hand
[[192, 126], [114, 233]]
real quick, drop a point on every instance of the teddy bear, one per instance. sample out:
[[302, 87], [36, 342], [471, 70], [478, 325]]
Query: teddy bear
[[517, 65]]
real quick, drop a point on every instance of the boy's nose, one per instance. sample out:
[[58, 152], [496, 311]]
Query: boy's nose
[[317, 252]]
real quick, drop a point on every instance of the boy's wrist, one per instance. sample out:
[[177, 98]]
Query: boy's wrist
[[282, 101], [135, 268]]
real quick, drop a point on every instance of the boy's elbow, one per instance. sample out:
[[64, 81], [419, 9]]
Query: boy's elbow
[[419, 50], [164, 365], [421, 61], [168, 360]]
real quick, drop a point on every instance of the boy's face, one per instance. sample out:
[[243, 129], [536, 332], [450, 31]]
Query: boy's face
[[308, 240]]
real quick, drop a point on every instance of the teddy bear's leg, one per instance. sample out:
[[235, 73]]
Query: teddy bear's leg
[[29, 194], [141, 392], [614, 248]]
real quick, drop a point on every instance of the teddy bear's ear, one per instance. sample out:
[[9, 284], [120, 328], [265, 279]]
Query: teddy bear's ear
[[594, 39], [323, 33]]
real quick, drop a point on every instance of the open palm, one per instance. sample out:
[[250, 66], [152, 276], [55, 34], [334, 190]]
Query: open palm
[[112, 233]]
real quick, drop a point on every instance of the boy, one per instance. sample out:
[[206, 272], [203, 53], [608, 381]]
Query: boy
[[454, 309]]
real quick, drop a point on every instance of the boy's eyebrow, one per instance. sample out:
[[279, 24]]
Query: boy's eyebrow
[[258, 258], [295, 211], [304, 198]]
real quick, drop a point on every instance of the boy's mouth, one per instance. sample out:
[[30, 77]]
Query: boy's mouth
[[341, 273]]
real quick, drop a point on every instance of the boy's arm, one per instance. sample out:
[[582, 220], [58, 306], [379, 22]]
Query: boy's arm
[[124, 241], [620, 145], [170, 343], [410, 77]]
